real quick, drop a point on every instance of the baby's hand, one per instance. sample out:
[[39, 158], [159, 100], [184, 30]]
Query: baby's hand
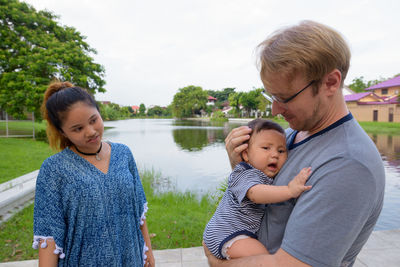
[[296, 186]]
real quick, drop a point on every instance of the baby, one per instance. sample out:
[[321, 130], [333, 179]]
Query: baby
[[231, 232]]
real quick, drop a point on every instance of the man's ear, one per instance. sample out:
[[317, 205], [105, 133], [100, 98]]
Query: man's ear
[[332, 82]]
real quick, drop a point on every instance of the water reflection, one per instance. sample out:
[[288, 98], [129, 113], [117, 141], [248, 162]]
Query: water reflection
[[194, 135], [190, 140], [195, 139], [389, 147]]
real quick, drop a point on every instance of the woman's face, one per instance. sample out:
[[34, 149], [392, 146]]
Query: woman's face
[[84, 127]]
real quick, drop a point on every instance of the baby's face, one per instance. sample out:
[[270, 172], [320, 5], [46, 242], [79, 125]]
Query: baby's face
[[266, 152]]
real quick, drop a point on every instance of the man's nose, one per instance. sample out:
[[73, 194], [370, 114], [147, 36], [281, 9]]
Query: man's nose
[[277, 108]]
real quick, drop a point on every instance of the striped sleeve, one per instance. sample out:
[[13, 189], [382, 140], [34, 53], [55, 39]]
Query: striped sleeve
[[242, 179]]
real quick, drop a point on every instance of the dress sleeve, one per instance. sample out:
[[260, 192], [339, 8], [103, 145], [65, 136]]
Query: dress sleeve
[[242, 179], [141, 202], [326, 220], [139, 192], [48, 218]]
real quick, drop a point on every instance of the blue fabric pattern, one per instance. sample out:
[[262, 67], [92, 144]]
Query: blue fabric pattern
[[94, 218]]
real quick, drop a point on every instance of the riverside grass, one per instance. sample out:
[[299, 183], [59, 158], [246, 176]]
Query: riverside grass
[[19, 156], [21, 127]]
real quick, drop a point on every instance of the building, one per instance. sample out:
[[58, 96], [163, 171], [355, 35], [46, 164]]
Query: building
[[135, 109], [211, 100], [378, 103]]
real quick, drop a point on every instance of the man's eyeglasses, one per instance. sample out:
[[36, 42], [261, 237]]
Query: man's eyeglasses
[[272, 98]]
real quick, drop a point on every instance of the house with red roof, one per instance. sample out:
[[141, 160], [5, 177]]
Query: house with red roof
[[135, 109], [211, 100], [378, 103]]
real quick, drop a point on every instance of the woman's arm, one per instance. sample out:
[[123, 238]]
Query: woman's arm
[[47, 258], [150, 261]]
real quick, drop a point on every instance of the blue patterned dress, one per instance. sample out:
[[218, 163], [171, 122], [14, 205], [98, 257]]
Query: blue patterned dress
[[94, 218]]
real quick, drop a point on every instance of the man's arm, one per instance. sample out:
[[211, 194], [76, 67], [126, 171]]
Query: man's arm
[[280, 258]]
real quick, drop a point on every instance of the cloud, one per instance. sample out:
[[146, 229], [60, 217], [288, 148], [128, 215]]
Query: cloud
[[152, 48]]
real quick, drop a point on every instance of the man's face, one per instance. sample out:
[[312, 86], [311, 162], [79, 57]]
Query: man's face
[[303, 112]]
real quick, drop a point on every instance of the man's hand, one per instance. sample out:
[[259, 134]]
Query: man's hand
[[234, 144]]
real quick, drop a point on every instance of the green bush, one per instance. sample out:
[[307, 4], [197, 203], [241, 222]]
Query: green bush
[[218, 116]]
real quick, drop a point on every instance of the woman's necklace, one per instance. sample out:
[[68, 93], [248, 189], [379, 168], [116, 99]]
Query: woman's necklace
[[92, 154]]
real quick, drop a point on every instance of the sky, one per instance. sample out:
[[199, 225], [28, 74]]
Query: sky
[[152, 48]]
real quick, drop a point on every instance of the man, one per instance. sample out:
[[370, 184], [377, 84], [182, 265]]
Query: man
[[303, 68]]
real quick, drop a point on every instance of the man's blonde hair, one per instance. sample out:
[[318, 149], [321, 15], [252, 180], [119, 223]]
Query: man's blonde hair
[[309, 49]]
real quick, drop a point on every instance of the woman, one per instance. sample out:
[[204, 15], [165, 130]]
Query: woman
[[89, 205]]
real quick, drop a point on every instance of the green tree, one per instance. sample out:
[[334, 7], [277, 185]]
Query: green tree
[[125, 113], [189, 101], [234, 100], [167, 112], [108, 112], [113, 111], [262, 102], [155, 111], [35, 49], [250, 100], [221, 96], [358, 84], [142, 109]]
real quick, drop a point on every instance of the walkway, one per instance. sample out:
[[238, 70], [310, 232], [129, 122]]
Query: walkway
[[382, 249]]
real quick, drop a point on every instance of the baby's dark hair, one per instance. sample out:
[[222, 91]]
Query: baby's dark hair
[[258, 125]]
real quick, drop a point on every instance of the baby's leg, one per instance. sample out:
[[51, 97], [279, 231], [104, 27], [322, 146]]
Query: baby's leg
[[246, 247]]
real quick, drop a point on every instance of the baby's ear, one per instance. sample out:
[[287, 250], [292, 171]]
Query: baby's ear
[[245, 155]]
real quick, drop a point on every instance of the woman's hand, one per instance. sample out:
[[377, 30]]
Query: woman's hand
[[234, 144], [150, 261]]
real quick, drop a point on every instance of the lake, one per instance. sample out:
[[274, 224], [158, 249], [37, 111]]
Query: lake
[[191, 156]]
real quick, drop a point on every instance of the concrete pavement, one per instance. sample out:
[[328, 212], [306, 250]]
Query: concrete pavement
[[381, 250]]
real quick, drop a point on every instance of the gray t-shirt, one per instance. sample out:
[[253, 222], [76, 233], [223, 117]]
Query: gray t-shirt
[[328, 225]]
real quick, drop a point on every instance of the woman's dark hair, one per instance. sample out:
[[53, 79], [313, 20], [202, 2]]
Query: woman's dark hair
[[258, 125], [58, 98]]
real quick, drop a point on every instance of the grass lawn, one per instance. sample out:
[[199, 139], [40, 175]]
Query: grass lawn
[[19, 156], [16, 237], [389, 128], [21, 127], [175, 219]]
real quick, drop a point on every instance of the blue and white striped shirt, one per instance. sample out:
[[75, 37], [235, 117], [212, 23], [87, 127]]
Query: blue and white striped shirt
[[236, 214]]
